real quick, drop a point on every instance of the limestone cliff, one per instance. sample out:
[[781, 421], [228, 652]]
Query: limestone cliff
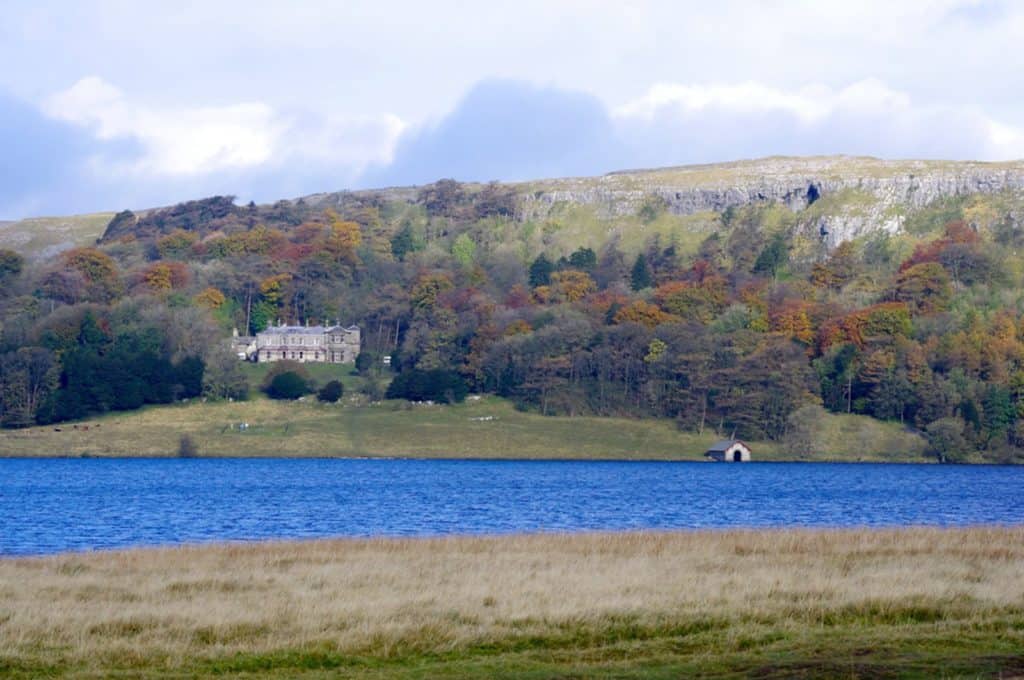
[[857, 195]]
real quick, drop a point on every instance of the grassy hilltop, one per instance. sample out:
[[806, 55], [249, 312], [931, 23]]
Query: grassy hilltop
[[39, 238], [915, 603]]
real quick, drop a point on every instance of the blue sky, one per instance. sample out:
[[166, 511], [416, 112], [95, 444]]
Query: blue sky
[[108, 104]]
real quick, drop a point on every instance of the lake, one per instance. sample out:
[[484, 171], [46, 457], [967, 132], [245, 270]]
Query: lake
[[55, 505]]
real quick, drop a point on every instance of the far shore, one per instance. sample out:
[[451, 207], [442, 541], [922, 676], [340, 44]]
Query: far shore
[[483, 427], [912, 602], [471, 458]]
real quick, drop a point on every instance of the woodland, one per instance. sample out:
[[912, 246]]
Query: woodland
[[746, 326]]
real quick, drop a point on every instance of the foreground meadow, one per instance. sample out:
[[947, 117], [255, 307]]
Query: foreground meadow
[[893, 603]]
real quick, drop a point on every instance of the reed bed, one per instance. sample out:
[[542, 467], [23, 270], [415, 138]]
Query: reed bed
[[871, 603]]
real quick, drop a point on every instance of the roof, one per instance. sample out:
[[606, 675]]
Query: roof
[[725, 445], [308, 330], [297, 330]]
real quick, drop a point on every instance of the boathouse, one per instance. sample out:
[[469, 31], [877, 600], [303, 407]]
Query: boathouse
[[729, 451]]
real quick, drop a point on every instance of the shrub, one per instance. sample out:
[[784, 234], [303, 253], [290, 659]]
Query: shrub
[[286, 366], [331, 392], [365, 361], [287, 385], [434, 385], [373, 387], [187, 447]]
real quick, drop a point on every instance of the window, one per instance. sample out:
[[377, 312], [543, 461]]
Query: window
[[300, 355]]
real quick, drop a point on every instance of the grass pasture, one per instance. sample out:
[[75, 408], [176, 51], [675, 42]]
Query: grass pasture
[[778, 604], [482, 427]]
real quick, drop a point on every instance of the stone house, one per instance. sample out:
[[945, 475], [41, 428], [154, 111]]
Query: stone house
[[308, 344], [244, 346]]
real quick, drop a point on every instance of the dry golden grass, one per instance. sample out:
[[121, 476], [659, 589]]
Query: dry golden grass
[[590, 604]]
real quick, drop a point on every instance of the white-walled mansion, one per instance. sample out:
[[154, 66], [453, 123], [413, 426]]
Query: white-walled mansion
[[308, 344]]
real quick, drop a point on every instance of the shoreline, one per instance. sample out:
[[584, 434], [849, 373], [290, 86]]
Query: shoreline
[[341, 541], [478, 459], [486, 459]]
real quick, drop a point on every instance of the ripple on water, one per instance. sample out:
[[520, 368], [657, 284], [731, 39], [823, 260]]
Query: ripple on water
[[54, 505]]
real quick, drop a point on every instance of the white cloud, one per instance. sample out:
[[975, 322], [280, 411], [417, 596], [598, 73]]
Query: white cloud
[[867, 116], [747, 98], [193, 141], [809, 104], [183, 141], [352, 141]]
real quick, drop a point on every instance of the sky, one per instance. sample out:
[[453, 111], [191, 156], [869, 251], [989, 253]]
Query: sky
[[110, 104]]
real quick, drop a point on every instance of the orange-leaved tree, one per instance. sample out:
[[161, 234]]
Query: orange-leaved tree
[[101, 280]]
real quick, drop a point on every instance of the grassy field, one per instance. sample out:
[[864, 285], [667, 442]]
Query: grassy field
[[873, 604], [485, 428], [482, 427]]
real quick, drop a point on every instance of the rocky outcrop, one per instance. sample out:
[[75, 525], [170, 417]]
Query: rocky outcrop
[[883, 190]]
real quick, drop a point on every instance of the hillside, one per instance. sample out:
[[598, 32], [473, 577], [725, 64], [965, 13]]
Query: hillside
[[40, 238], [834, 198], [758, 299], [851, 197]]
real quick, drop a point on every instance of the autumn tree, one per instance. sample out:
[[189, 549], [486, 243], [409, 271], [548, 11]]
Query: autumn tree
[[98, 274], [177, 244], [643, 313], [428, 287], [838, 270], [572, 285], [210, 298], [163, 277], [925, 287], [343, 239], [443, 198]]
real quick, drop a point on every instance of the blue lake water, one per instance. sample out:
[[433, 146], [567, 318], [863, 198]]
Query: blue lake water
[[55, 505]]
